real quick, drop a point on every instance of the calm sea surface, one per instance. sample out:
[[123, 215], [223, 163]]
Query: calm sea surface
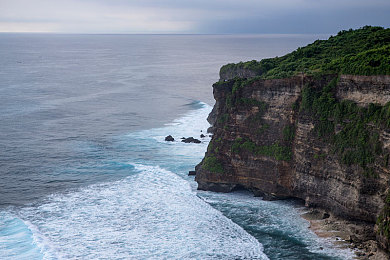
[[84, 169]]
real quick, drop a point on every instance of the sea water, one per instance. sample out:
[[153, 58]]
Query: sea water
[[85, 171]]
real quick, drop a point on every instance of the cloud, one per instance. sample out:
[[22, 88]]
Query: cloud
[[87, 16], [28, 27], [191, 16]]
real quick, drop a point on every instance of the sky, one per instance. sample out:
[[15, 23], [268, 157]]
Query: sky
[[191, 16]]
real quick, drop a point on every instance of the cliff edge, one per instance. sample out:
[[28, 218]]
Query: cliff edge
[[323, 138]]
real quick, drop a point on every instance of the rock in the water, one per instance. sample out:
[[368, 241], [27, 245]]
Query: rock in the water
[[191, 140], [191, 173], [202, 136], [169, 138]]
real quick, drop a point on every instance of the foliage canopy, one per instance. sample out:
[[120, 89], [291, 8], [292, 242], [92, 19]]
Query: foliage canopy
[[365, 51]]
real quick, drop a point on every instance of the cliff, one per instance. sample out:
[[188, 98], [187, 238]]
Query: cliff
[[319, 139], [314, 125]]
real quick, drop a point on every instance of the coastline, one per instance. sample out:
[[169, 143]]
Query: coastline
[[311, 125], [345, 234]]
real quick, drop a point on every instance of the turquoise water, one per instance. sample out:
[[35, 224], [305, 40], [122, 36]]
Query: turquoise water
[[85, 170]]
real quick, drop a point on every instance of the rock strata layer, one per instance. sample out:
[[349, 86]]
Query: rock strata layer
[[265, 142]]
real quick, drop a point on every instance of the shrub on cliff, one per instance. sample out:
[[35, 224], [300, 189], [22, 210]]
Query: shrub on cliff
[[212, 164], [383, 221], [276, 150]]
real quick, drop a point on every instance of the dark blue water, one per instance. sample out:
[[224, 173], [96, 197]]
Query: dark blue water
[[85, 173]]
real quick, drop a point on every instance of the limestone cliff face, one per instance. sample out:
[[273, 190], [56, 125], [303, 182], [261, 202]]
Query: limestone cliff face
[[364, 89], [230, 72], [264, 142]]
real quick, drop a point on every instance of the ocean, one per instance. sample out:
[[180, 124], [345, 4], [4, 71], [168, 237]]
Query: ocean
[[85, 171]]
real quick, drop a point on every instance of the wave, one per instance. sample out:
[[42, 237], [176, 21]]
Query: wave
[[151, 215], [20, 239]]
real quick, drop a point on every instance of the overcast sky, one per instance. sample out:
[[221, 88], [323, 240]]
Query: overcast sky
[[191, 16]]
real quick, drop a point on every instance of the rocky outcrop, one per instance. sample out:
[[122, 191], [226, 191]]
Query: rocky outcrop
[[266, 142], [169, 138], [240, 70], [191, 140]]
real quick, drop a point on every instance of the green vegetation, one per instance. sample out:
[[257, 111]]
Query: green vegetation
[[212, 148], [212, 164], [295, 105], [383, 220], [289, 133], [371, 62], [218, 83], [319, 156], [357, 141], [218, 140], [223, 118], [229, 101], [277, 151], [236, 146], [238, 84], [253, 102], [365, 51], [262, 128], [234, 98]]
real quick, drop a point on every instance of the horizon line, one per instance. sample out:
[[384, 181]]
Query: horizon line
[[222, 34]]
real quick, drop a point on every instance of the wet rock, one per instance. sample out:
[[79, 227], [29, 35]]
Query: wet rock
[[191, 173], [191, 140], [169, 138], [217, 187], [202, 136]]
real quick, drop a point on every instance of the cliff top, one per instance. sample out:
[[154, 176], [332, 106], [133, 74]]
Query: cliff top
[[365, 51]]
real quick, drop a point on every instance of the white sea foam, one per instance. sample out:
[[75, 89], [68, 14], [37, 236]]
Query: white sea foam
[[44, 244], [192, 124], [151, 215]]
